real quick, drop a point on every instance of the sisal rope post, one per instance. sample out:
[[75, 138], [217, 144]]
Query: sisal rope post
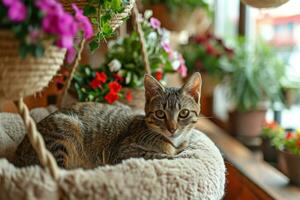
[[142, 39], [45, 157], [71, 75]]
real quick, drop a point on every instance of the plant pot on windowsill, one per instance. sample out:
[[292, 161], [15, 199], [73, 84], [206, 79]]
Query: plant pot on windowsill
[[247, 126], [289, 164], [270, 153]]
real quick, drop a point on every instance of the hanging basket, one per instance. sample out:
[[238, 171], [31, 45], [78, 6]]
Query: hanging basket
[[116, 21], [264, 3], [23, 77]]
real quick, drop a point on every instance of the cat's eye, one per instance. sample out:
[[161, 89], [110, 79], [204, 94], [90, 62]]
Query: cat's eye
[[184, 113], [160, 114]]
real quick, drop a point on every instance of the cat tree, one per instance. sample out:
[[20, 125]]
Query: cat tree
[[196, 173]]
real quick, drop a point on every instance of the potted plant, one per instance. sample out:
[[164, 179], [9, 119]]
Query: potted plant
[[105, 15], [205, 53], [35, 35], [124, 64], [175, 14], [269, 132], [288, 144], [254, 82]]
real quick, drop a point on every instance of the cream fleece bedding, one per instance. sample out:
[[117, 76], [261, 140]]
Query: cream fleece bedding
[[196, 173]]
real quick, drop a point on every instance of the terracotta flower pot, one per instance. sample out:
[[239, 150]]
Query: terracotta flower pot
[[247, 124], [171, 21], [270, 154], [289, 164]]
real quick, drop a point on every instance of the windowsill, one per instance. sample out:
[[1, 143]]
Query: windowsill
[[263, 176]]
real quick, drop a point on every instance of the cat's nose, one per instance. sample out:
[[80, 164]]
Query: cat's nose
[[172, 130]]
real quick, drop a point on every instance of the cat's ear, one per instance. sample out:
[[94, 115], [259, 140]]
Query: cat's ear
[[152, 87], [193, 87]]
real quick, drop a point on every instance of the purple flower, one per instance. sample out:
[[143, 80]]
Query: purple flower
[[166, 46], [17, 11], [8, 2], [50, 6], [66, 25], [65, 42], [71, 54], [34, 36], [155, 23], [83, 22]]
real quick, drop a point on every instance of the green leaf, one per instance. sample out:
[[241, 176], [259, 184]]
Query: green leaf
[[94, 44], [89, 10]]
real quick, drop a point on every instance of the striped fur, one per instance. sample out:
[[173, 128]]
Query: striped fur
[[91, 134]]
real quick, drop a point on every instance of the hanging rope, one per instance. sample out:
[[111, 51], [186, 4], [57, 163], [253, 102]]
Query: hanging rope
[[45, 157], [71, 75], [142, 39]]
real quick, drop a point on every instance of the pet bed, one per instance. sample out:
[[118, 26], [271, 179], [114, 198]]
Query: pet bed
[[196, 173]]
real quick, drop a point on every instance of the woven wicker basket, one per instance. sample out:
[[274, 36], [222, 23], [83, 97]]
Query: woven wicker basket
[[264, 3], [116, 20], [23, 77]]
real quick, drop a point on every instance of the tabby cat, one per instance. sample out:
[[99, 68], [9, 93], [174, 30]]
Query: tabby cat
[[91, 134]]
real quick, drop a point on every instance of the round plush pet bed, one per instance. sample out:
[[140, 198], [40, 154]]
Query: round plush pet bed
[[196, 173]]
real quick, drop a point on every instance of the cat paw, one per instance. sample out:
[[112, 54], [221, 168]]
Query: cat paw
[[182, 146], [169, 149]]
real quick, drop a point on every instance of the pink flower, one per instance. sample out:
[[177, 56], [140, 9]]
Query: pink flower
[[50, 6], [17, 11], [166, 46], [155, 23], [8, 2], [71, 55], [65, 42], [182, 70], [83, 22]]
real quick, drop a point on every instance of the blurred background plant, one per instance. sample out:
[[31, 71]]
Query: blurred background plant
[[254, 76], [204, 53]]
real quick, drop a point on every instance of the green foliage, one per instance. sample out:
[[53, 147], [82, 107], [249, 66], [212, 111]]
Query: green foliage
[[101, 12], [128, 51], [255, 76], [283, 140], [271, 130]]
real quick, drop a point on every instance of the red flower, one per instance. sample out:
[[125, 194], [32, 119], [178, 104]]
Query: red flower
[[271, 125], [114, 87], [288, 135], [101, 76], [118, 77], [95, 83], [210, 49], [200, 39], [158, 75], [111, 97], [128, 95]]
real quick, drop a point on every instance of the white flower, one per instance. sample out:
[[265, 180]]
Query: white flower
[[148, 14], [175, 64], [152, 36], [114, 65]]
